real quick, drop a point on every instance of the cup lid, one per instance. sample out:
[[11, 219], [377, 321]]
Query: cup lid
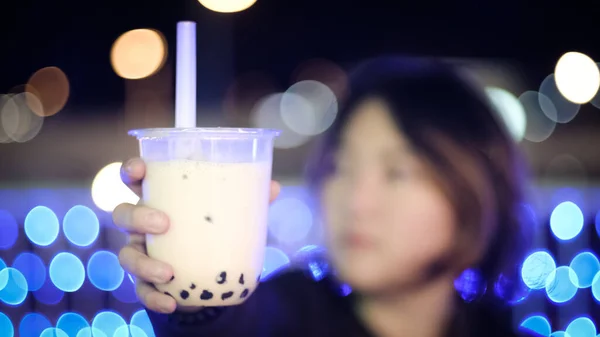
[[216, 132]]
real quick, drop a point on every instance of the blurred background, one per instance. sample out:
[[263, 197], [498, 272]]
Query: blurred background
[[76, 76]]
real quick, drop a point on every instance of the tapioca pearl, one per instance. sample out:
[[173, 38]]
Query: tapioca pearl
[[222, 278], [184, 294], [193, 286], [208, 219], [206, 295], [185, 176], [241, 279], [245, 293], [226, 295], [172, 278]]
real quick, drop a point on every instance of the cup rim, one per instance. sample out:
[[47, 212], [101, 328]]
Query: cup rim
[[207, 132]]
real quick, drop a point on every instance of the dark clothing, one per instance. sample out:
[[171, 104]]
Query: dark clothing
[[293, 304]]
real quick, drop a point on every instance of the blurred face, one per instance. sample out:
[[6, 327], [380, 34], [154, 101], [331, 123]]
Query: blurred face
[[387, 219]]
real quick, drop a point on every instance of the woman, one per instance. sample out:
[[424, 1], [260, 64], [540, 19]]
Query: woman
[[418, 181]]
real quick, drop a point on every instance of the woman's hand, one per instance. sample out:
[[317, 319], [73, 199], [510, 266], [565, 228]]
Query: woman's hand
[[137, 221]]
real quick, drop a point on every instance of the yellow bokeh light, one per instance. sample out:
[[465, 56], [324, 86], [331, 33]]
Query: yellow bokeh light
[[138, 54], [50, 87], [227, 6], [577, 77]]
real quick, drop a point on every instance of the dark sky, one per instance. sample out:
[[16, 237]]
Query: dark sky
[[276, 35]]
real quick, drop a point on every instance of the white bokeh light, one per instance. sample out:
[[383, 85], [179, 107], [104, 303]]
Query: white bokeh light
[[18, 120], [108, 191], [267, 114], [312, 115], [511, 111], [577, 77], [227, 6]]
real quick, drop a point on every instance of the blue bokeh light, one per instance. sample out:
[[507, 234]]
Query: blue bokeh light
[[290, 220], [9, 230], [6, 327], [586, 266], [130, 330], [33, 268], [511, 290], [536, 323], [15, 289], [314, 259], [49, 293], [598, 223], [104, 271], [2, 266], [142, 321], [91, 332], [470, 285], [71, 323], [33, 324], [275, 260], [566, 221], [536, 269], [581, 327], [81, 226], [67, 272], [561, 285], [559, 334], [596, 287], [41, 226], [53, 332], [108, 322]]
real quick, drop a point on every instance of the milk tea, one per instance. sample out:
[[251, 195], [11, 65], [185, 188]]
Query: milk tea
[[217, 238]]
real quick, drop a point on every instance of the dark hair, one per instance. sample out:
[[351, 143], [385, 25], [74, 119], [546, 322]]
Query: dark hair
[[453, 127]]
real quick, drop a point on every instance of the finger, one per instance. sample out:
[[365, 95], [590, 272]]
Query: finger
[[132, 173], [153, 299], [136, 262], [140, 219], [275, 189]]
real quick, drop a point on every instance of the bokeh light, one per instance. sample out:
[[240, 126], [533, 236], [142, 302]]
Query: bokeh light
[[33, 269], [13, 286], [50, 87], [49, 294], [81, 226], [4, 137], [596, 287], [267, 114], [9, 230], [561, 110], [586, 266], [41, 226], [71, 323], [561, 284], [227, 6], [129, 331], [108, 322], [104, 271], [275, 260], [314, 259], [138, 54], [313, 114], [141, 320], [470, 285], [511, 290], [17, 119], [6, 327], [33, 324], [91, 332], [510, 110], [536, 269], [53, 332], [566, 221], [290, 220], [2, 266], [67, 272], [581, 327], [108, 190], [538, 127], [577, 77], [538, 324]]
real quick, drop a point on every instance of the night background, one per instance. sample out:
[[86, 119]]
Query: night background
[[50, 158]]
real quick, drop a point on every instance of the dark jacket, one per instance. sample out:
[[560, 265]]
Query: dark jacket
[[293, 304]]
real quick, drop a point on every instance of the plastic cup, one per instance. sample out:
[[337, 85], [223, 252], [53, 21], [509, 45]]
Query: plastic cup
[[214, 185]]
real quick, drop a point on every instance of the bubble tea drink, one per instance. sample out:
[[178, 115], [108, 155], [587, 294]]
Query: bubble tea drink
[[213, 184]]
